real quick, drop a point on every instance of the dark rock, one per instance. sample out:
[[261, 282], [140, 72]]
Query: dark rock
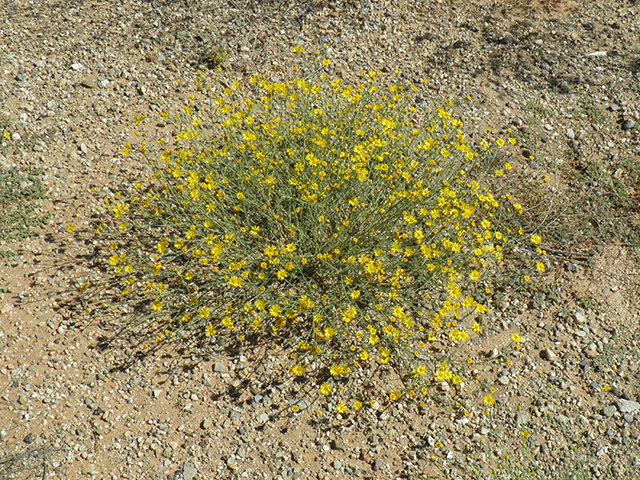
[[548, 354], [506, 40], [338, 444]]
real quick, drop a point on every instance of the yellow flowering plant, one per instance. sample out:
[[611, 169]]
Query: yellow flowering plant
[[340, 221]]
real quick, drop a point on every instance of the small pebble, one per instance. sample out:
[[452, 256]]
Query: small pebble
[[627, 406], [590, 351], [262, 418], [206, 424], [548, 354], [88, 83], [523, 417], [337, 444]]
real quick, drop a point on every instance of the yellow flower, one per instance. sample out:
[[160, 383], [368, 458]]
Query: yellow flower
[[341, 408], [210, 330], [349, 314], [418, 372], [325, 389], [227, 322], [282, 274], [526, 278], [295, 409], [535, 238], [443, 372], [357, 405], [71, 228], [540, 266], [410, 219], [235, 282], [516, 338], [204, 312], [394, 396], [156, 305], [489, 400], [499, 142], [474, 275], [271, 251], [459, 335], [326, 62], [384, 356], [298, 370]]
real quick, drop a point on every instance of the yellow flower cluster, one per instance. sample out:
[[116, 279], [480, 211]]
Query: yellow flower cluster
[[318, 213]]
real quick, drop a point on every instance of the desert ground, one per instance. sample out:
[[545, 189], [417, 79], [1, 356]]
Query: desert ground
[[564, 76]]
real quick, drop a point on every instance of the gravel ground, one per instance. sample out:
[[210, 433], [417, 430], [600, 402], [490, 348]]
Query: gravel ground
[[73, 75]]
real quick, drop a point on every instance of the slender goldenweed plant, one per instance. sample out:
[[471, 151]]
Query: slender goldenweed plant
[[339, 221]]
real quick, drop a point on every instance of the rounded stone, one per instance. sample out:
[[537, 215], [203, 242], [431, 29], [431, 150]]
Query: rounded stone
[[590, 351]]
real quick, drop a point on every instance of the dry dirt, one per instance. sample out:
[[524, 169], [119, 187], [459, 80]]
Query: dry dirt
[[565, 76]]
